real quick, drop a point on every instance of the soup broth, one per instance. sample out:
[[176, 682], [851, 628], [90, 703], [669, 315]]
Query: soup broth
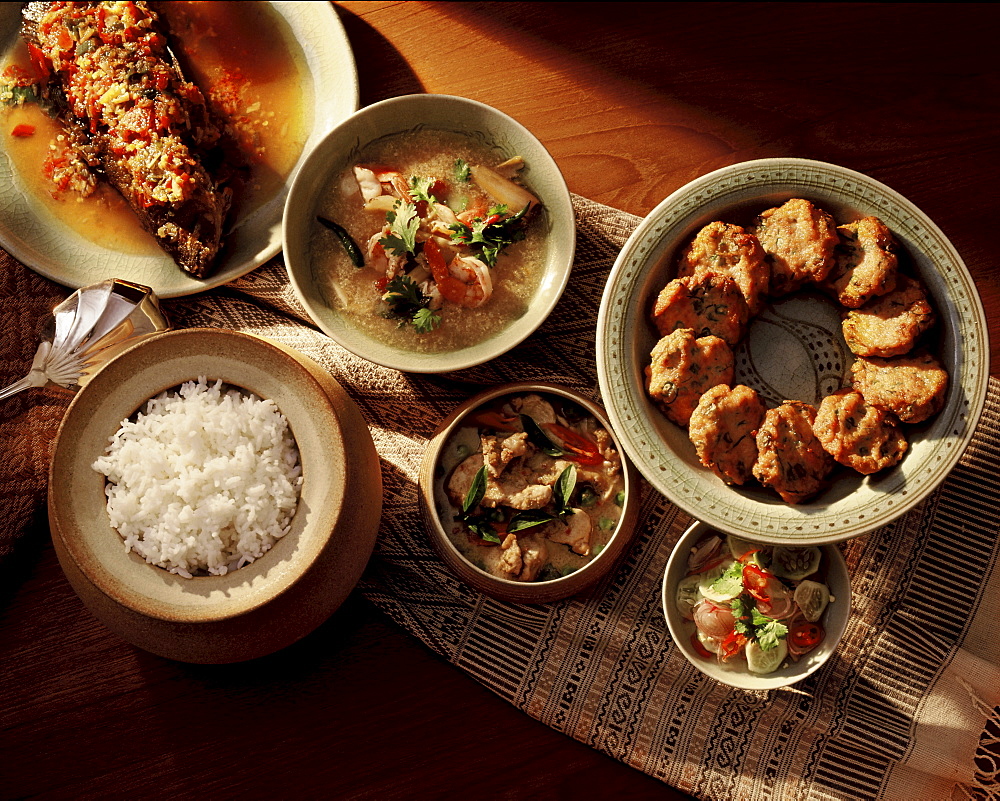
[[357, 292]]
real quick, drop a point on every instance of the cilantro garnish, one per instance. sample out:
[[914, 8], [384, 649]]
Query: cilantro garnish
[[753, 623], [462, 171], [409, 305], [490, 235], [403, 223], [420, 188], [730, 583]]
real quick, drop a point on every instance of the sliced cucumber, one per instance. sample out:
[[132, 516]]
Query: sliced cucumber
[[761, 661], [795, 563], [739, 546], [688, 596], [812, 597]]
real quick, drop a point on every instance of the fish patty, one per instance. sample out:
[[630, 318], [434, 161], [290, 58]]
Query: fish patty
[[682, 367], [865, 263], [724, 431], [911, 387], [791, 460], [889, 325], [857, 434], [799, 240], [709, 304], [729, 250]]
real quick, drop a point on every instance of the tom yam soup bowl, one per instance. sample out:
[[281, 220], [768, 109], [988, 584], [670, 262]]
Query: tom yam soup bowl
[[373, 222], [805, 646], [558, 507], [204, 614], [793, 349]]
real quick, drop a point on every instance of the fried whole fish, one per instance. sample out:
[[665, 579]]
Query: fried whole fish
[[125, 102]]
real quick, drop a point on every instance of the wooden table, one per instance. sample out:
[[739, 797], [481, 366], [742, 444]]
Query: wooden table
[[633, 101]]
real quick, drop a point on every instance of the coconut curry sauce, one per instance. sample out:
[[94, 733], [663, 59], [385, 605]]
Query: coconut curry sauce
[[249, 66], [531, 489]]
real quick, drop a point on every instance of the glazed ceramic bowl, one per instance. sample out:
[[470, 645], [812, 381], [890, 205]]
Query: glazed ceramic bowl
[[437, 510], [264, 605], [794, 350], [735, 673], [401, 115]]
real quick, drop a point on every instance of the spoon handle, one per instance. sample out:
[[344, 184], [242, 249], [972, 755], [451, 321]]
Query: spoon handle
[[17, 386]]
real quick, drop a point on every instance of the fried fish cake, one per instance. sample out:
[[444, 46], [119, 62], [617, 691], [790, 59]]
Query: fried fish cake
[[728, 249], [790, 458], [889, 325], [799, 240], [708, 304], [911, 387], [724, 431], [865, 263], [857, 434], [682, 367]]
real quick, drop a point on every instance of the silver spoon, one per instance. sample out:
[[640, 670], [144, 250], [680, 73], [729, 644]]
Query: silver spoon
[[87, 330]]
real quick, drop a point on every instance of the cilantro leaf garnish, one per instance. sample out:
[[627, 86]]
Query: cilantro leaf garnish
[[731, 581], [462, 171], [490, 235], [420, 188], [403, 223], [409, 305], [768, 631]]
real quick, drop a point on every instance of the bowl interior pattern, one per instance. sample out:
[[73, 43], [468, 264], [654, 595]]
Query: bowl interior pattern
[[796, 339]]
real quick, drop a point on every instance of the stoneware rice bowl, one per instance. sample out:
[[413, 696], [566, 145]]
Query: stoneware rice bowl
[[434, 505], [276, 599], [399, 115], [735, 672], [794, 350]]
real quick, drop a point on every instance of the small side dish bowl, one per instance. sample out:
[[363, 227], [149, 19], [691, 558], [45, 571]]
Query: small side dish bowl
[[735, 673], [794, 349], [335, 307], [456, 441], [283, 594]]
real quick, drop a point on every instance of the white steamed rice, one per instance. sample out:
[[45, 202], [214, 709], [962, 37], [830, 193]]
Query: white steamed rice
[[203, 480]]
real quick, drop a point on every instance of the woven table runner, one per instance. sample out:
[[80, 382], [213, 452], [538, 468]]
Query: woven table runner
[[907, 708]]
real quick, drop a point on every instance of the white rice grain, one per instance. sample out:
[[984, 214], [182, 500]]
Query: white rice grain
[[203, 480]]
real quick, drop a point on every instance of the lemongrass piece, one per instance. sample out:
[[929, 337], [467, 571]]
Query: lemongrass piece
[[505, 192]]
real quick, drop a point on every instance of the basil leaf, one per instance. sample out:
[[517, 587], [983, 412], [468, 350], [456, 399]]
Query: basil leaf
[[563, 489], [528, 519], [476, 491], [483, 529], [538, 438]]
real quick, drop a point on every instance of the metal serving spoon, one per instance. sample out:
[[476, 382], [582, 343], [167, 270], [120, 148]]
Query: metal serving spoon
[[87, 330]]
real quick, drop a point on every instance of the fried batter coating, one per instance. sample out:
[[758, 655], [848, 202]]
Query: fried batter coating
[[859, 435], [727, 249], [724, 431], [709, 304], [791, 459], [683, 367], [865, 263], [798, 239], [889, 325], [911, 387]]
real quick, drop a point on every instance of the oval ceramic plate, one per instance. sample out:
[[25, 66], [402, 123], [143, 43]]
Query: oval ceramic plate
[[275, 599], [401, 115], [734, 673], [799, 352], [30, 233]]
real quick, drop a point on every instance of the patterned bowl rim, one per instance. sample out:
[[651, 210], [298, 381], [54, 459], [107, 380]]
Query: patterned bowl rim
[[853, 505]]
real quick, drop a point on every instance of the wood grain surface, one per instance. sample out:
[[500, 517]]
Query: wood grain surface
[[633, 100]]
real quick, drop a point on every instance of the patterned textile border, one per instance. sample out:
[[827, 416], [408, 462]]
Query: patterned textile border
[[897, 713]]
